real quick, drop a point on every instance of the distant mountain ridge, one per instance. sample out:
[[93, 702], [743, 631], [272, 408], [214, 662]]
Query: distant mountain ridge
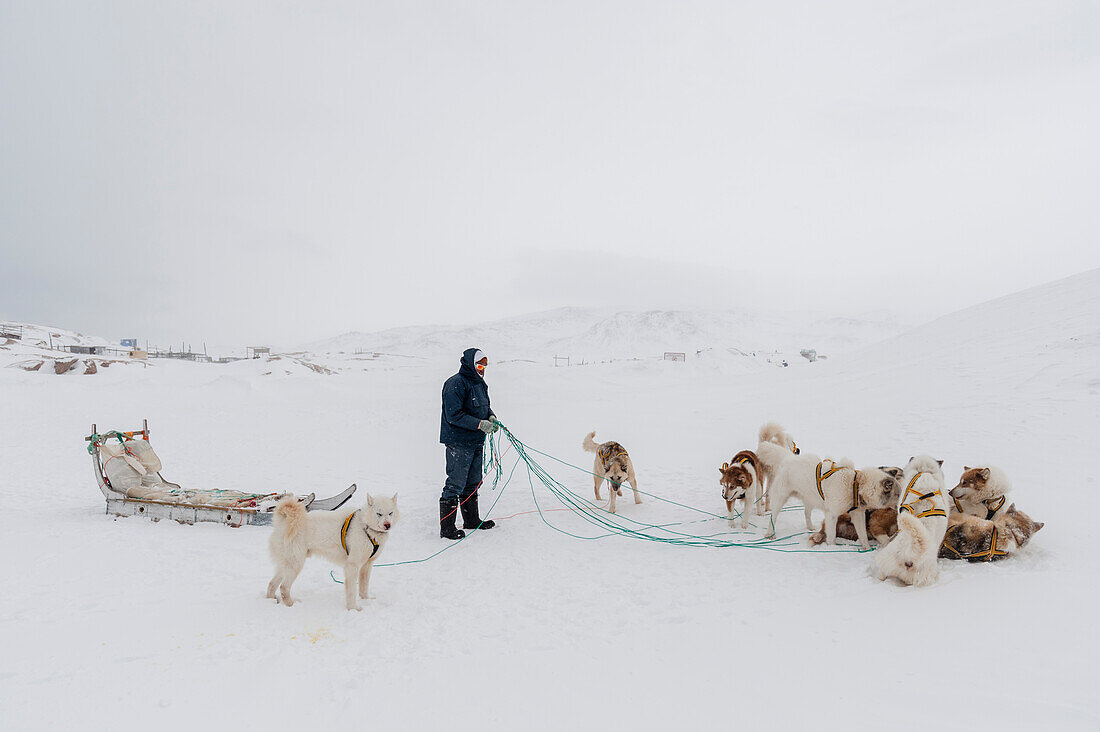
[[595, 334]]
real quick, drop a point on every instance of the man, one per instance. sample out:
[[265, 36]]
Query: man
[[466, 420]]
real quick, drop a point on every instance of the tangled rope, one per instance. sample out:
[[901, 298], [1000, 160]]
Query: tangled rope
[[611, 524], [616, 525]]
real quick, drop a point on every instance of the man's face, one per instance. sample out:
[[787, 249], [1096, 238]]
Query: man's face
[[480, 366]]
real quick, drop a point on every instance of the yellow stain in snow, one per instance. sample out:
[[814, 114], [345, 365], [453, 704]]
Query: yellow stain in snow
[[318, 635]]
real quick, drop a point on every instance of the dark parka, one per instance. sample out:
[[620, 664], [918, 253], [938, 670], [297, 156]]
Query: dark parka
[[465, 404]]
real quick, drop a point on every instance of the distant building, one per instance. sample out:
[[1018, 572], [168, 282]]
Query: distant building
[[673, 356], [809, 354], [88, 350], [257, 351]]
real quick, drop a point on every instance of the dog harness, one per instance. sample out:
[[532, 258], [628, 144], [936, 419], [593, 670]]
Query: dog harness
[[744, 460], [855, 493], [907, 505], [833, 468], [992, 506], [991, 554], [609, 452], [344, 535]]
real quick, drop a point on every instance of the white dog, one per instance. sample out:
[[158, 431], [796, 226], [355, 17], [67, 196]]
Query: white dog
[[835, 487], [352, 539], [774, 446], [911, 556]]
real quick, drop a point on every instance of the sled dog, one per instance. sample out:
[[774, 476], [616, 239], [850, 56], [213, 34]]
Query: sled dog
[[612, 464], [882, 523], [922, 520], [773, 447], [353, 539], [835, 487], [978, 540], [741, 480], [981, 492]]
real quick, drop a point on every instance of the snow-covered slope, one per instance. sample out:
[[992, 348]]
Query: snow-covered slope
[[133, 624], [584, 334]]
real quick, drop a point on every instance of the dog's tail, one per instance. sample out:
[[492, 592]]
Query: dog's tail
[[918, 534], [774, 433], [590, 444], [290, 516]]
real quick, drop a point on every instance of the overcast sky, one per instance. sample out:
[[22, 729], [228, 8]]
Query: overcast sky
[[271, 171]]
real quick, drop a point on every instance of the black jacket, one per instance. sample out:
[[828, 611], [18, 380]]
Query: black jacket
[[465, 403]]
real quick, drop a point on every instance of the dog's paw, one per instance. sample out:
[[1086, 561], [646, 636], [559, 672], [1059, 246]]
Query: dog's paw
[[356, 606], [368, 596]]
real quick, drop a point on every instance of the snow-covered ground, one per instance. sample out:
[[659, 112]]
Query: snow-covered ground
[[126, 624]]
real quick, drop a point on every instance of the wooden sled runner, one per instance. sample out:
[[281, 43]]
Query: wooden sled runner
[[128, 473]]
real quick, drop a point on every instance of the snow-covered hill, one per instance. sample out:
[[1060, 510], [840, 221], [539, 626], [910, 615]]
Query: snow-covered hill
[[593, 335]]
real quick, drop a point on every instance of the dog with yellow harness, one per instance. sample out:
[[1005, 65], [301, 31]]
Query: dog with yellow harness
[[835, 487], [741, 479], [911, 556], [979, 540], [613, 464], [981, 492], [352, 539]]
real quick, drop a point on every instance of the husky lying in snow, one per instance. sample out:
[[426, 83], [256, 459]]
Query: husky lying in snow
[[741, 480], [882, 523], [774, 446], [978, 540], [352, 539], [612, 464], [835, 487], [981, 492], [922, 521]]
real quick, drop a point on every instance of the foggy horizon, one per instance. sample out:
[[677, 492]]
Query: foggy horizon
[[266, 173]]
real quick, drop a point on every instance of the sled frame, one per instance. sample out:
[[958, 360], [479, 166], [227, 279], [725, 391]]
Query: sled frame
[[119, 504]]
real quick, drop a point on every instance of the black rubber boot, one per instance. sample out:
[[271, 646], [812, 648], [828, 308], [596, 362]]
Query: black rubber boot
[[470, 518], [448, 512]]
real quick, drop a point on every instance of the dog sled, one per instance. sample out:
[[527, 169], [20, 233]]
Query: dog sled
[[128, 473]]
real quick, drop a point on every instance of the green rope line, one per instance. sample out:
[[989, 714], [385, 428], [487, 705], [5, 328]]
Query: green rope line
[[498, 472], [613, 524], [95, 439]]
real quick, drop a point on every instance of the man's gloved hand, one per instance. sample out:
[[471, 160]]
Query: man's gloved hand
[[487, 426]]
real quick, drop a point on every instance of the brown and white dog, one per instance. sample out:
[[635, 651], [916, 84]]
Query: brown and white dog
[[612, 464], [981, 492], [741, 480], [773, 447], [882, 524], [978, 540]]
